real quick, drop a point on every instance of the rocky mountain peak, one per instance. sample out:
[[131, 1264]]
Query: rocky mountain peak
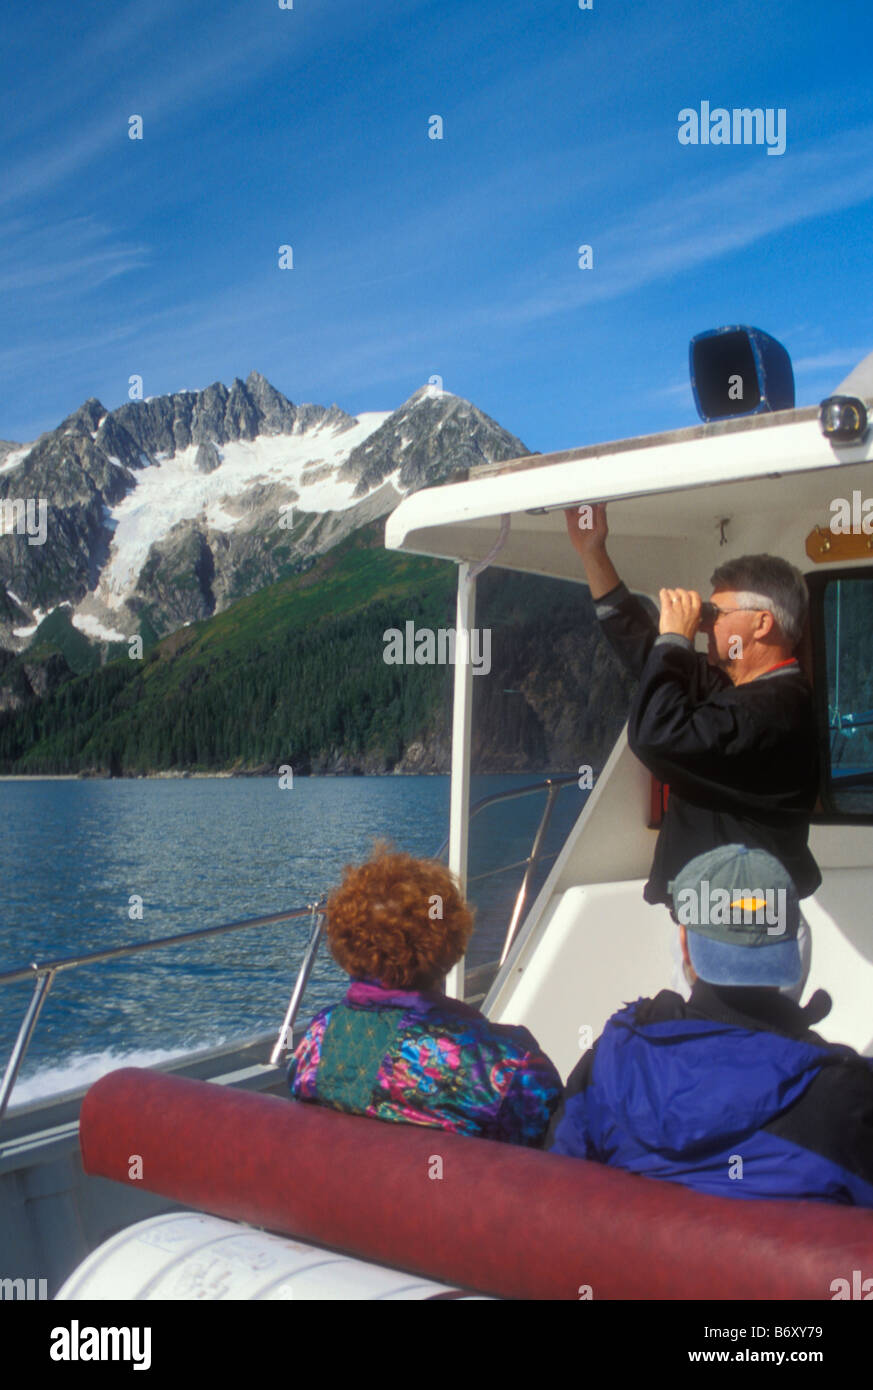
[[430, 392], [87, 417], [431, 436], [259, 388], [276, 413], [189, 545]]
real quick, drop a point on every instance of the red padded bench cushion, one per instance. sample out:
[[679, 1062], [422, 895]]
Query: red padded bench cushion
[[502, 1220]]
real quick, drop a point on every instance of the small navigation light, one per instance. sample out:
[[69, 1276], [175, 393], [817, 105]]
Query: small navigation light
[[739, 371], [843, 419]]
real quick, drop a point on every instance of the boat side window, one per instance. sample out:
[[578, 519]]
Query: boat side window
[[842, 622]]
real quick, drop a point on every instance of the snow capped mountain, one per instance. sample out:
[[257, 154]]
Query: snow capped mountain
[[219, 495], [428, 437], [168, 509]]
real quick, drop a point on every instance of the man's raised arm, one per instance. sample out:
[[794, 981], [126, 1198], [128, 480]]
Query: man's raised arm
[[626, 624], [590, 543]]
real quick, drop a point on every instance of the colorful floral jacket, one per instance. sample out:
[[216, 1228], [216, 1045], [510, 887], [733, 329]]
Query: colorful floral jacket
[[420, 1058]]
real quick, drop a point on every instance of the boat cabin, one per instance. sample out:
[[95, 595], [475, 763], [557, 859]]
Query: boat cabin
[[679, 504]]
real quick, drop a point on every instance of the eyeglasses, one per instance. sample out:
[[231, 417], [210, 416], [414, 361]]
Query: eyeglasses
[[710, 612]]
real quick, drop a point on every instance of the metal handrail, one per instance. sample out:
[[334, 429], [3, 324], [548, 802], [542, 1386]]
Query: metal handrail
[[44, 974], [521, 897], [54, 967], [507, 868], [281, 1044], [527, 790], [554, 785]]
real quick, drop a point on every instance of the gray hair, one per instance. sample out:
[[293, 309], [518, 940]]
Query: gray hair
[[770, 583]]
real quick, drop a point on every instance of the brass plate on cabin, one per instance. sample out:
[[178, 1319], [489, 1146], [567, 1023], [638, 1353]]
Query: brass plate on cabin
[[827, 548]]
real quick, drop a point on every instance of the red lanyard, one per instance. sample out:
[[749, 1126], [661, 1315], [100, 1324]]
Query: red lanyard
[[792, 661]]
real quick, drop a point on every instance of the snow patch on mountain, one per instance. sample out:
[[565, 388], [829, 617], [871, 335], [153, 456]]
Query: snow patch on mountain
[[14, 458], [38, 616], [174, 489], [92, 627]]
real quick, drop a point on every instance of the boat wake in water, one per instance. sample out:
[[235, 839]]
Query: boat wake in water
[[83, 1068]]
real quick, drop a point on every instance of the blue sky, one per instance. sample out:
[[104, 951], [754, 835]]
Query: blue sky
[[413, 256]]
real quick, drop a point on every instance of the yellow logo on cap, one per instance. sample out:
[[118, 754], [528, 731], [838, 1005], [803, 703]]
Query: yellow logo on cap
[[749, 904]]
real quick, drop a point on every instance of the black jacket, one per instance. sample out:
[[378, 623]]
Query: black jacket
[[741, 761]]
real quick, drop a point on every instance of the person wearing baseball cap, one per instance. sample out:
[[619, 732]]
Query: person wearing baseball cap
[[732, 932], [730, 1092]]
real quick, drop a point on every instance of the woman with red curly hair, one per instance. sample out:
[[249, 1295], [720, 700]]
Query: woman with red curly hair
[[397, 1049]]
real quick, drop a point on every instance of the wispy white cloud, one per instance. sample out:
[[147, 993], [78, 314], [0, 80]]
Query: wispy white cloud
[[671, 392], [672, 235], [680, 231], [118, 36], [840, 357], [68, 258], [59, 158], [230, 59], [122, 29]]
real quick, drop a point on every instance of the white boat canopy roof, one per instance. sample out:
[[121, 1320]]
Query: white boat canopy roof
[[753, 484]]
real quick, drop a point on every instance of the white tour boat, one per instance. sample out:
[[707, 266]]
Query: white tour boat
[[239, 1194]]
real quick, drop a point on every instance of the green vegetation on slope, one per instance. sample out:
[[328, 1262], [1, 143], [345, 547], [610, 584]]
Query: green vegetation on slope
[[293, 673], [57, 634]]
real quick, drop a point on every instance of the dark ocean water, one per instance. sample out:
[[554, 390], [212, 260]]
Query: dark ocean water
[[198, 852]]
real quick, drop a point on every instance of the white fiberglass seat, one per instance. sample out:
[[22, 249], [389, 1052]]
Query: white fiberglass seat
[[602, 946]]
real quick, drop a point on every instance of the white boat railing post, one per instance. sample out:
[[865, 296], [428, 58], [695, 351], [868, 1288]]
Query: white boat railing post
[[287, 1029], [522, 895], [43, 984], [459, 806]]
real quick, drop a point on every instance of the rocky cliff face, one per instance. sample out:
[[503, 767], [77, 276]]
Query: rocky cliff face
[[72, 472], [431, 437], [165, 425], [168, 509], [556, 697], [24, 681], [85, 467], [267, 487]]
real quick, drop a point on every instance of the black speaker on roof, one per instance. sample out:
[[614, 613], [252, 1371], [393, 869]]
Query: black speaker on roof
[[739, 371]]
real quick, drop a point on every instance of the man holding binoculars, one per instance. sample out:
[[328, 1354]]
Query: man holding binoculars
[[732, 733]]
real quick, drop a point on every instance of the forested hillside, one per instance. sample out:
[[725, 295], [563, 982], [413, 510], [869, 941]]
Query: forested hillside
[[295, 674]]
